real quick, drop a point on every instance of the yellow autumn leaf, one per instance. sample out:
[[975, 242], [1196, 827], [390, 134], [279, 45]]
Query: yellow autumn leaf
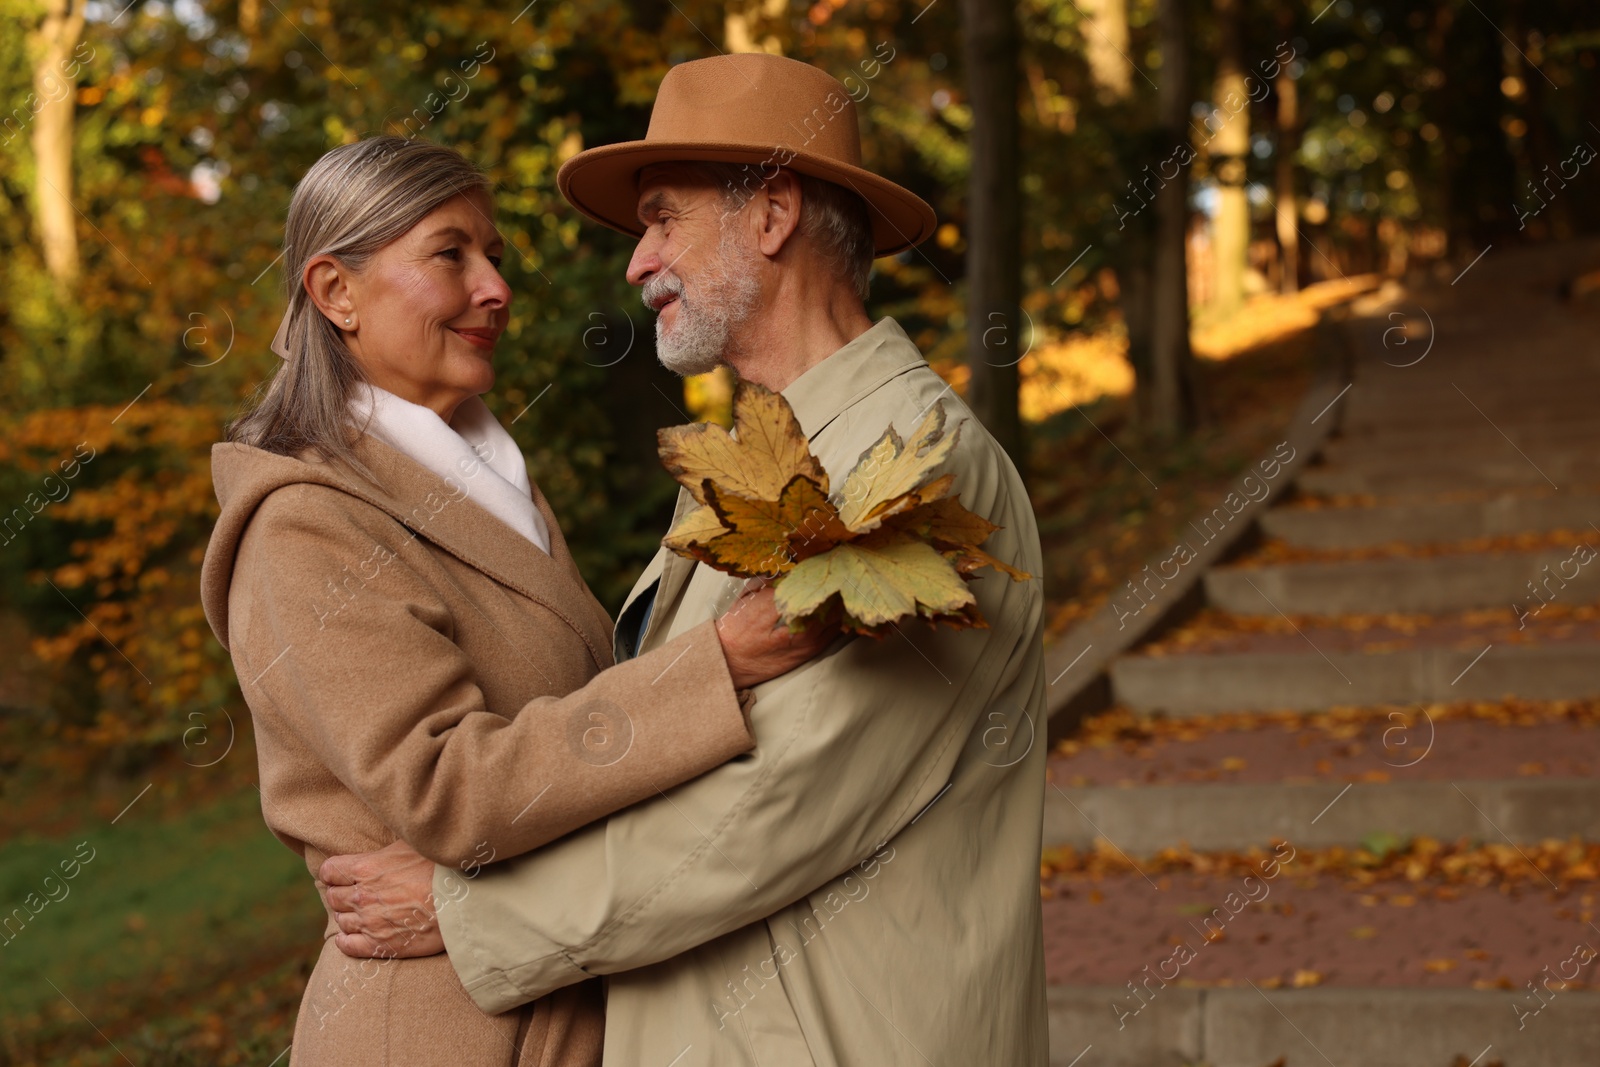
[[944, 522], [689, 535], [956, 532], [765, 511], [765, 453], [878, 580], [768, 537], [888, 476]]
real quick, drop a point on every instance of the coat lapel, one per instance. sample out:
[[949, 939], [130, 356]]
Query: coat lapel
[[675, 572], [562, 555], [440, 511]]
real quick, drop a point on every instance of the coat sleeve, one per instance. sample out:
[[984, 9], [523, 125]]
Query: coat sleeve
[[386, 700], [851, 748]]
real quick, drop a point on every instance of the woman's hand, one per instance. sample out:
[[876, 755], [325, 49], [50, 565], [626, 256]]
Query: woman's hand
[[758, 646]]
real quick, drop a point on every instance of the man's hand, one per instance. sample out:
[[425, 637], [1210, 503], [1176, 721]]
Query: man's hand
[[758, 646], [383, 903]]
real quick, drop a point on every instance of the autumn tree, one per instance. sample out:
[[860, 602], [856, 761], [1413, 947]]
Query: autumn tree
[[996, 338], [1172, 389], [1228, 148], [1286, 199], [56, 64]]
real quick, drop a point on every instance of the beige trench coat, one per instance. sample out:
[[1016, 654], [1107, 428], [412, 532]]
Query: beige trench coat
[[416, 669], [862, 889]]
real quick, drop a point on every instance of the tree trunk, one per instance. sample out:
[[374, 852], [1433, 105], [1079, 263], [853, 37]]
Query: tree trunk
[[1542, 159], [55, 84], [1173, 389], [1437, 42], [996, 337], [1228, 149], [1287, 209], [1105, 47]]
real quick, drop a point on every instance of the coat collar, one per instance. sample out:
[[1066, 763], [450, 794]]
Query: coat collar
[[855, 371], [442, 513], [418, 499]]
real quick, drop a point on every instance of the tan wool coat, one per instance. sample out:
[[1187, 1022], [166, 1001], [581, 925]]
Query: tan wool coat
[[416, 669], [860, 890]]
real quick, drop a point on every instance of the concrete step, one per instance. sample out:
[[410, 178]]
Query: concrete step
[[1142, 820], [1254, 681], [1454, 474], [1487, 407], [1429, 522], [1482, 442], [1382, 1027], [1432, 584]]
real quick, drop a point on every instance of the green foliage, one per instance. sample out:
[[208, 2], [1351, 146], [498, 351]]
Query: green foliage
[[162, 911]]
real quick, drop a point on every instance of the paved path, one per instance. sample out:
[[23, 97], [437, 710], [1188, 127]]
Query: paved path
[[1426, 602]]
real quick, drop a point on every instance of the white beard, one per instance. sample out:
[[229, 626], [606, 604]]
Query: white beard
[[726, 292]]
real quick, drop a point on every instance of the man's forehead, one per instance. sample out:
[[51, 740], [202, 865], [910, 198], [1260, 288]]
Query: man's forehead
[[672, 183]]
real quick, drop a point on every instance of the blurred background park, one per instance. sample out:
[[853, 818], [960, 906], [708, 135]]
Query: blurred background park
[[1153, 213]]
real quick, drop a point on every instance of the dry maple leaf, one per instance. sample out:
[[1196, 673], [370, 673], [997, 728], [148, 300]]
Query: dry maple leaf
[[895, 544]]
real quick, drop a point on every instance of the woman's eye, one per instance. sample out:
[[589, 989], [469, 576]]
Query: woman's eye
[[496, 261], [452, 253]]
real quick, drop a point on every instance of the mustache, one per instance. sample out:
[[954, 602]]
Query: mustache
[[662, 285]]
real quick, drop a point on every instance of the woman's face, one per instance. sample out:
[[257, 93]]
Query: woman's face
[[429, 306]]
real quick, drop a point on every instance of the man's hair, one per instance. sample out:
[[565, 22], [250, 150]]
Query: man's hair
[[831, 216]]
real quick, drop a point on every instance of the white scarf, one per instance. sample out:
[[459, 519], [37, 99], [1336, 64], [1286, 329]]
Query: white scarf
[[472, 450]]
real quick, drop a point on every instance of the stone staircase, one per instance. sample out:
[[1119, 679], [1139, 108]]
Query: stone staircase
[[1441, 552]]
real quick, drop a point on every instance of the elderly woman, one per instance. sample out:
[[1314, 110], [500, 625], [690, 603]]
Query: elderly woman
[[421, 657]]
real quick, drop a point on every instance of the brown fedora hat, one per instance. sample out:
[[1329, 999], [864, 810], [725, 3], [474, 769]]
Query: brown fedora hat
[[754, 108]]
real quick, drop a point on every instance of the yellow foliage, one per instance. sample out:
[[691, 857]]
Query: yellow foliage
[[141, 508]]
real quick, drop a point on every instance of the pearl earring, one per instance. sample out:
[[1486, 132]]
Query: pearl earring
[[347, 322]]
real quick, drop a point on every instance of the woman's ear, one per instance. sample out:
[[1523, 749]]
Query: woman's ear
[[329, 288], [780, 211]]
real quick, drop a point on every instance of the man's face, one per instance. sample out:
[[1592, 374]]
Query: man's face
[[697, 264]]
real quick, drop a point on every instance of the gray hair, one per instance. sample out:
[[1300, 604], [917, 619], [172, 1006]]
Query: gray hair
[[831, 216], [353, 201]]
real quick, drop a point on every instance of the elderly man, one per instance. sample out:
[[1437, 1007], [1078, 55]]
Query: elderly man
[[862, 888]]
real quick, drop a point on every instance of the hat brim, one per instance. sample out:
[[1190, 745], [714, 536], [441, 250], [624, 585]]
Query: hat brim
[[602, 183]]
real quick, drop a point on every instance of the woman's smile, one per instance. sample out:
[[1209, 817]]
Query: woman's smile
[[481, 337]]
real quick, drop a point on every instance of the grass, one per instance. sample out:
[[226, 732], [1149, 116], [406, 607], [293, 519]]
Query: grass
[[184, 939]]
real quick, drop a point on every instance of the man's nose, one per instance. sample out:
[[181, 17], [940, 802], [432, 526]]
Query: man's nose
[[645, 262]]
